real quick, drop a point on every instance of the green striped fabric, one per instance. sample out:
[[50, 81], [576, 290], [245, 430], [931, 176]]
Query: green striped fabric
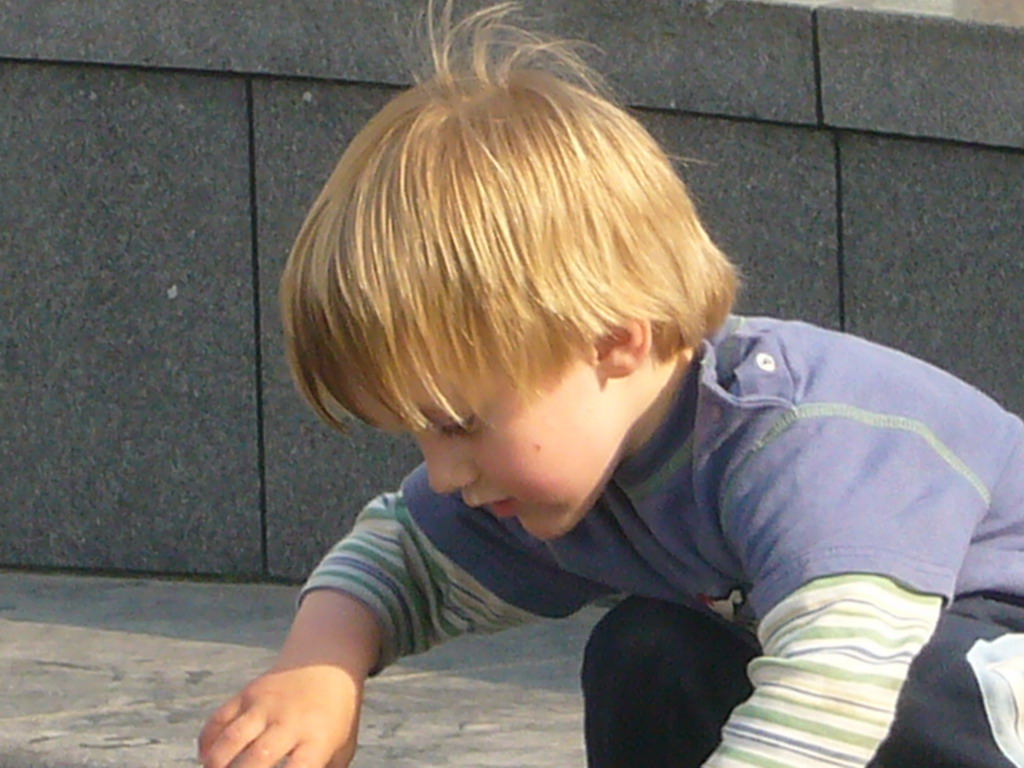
[[836, 653], [420, 597]]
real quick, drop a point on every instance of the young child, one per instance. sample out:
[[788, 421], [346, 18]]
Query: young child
[[820, 540]]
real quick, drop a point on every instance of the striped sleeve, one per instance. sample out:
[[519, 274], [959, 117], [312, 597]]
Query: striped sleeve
[[419, 596], [836, 653]]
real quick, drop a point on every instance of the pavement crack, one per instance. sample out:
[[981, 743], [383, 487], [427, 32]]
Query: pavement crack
[[194, 677], [68, 665], [114, 710], [121, 742]]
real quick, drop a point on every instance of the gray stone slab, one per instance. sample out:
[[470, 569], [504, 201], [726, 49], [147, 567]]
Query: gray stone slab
[[119, 672], [933, 239], [511, 699], [734, 57], [114, 672], [767, 195], [925, 68], [358, 39], [739, 58], [126, 314], [316, 479]]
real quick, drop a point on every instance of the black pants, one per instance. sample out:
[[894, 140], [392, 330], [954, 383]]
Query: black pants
[[660, 680]]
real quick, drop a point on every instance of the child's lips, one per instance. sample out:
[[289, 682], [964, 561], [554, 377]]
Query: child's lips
[[503, 508]]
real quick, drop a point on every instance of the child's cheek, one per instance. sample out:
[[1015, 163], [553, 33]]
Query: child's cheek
[[538, 475]]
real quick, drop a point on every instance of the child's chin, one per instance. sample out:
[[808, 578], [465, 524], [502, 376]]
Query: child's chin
[[548, 528]]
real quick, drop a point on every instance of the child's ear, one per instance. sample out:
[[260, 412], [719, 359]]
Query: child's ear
[[625, 349]]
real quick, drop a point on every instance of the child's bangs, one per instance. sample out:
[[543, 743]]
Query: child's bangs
[[394, 370]]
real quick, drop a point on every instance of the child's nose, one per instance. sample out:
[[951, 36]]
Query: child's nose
[[448, 468]]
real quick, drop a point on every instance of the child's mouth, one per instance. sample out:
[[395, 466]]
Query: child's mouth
[[503, 508]]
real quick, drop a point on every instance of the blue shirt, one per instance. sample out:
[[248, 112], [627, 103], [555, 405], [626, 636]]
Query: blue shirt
[[791, 453]]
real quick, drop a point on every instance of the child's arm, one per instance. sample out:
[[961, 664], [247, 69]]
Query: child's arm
[[431, 569], [383, 592], [836, 653], [307, 706]]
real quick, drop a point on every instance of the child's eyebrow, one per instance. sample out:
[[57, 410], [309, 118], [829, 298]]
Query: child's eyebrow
[[432, 413]]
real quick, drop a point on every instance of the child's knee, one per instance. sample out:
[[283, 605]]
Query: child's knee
[[639, 635]]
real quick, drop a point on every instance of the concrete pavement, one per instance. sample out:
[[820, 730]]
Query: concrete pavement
[[100, 672]]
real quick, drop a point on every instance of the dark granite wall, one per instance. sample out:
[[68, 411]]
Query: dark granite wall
[[862, 161]]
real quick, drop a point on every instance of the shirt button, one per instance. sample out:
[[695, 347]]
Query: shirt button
[[765, 362]]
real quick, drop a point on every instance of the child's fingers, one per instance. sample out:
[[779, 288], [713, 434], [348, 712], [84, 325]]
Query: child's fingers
[[312, 756], [232, 738], [216, 723], [267, 750]]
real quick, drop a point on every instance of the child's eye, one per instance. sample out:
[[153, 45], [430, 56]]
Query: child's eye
[[458, 428]]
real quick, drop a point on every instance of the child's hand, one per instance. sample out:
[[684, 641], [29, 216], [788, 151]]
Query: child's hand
[[304, 712], [308, 714]]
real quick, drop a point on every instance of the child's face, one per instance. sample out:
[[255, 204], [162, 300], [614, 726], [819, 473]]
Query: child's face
[[544, 462]]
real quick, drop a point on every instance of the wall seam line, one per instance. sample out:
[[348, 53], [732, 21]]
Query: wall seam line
[[819, 109], [840, 233], [257, 326]]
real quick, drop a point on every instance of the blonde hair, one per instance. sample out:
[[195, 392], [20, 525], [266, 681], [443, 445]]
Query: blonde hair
[[491, 222]]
